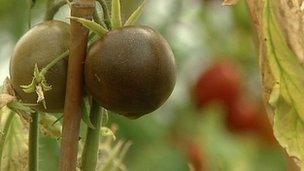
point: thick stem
(4, 133)
(33, 143)
(90, 150)
(74, 88)
(52, 8)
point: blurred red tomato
(221, 83)
(242, 115)
(249, 116)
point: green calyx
(135, 15)
(38, 85)
(93, 26)
(116, 14)
(115, 19)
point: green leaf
(15, 148)
(135, 15)
(86, 108)
(116, 14)
(93, 26)
(287, 96)
(29, 88)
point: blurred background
(214, 120)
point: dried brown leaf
(6, 99)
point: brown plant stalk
(74, 87)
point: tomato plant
(129, 70)
(76, 73)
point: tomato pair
(130, 71)
(222, 83)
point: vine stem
(33, 143)
(74, 86)
(4, 133)
(54, 62)
(90, 150)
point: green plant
(47, 64)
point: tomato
(249, 116)
(40, 45)
(131, 71)
(221, 83)
(242, 115)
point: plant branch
(74, 87)
(4, 133)
(33, 143)
(90, 150)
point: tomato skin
(131, 71)
(220, 83)
(243, 116)
(41, 45)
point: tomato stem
(54, 62)
(6, 127)
(33, 143)
(74, 87)
(90, 150)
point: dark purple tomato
(40, 45)
(131, 71)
